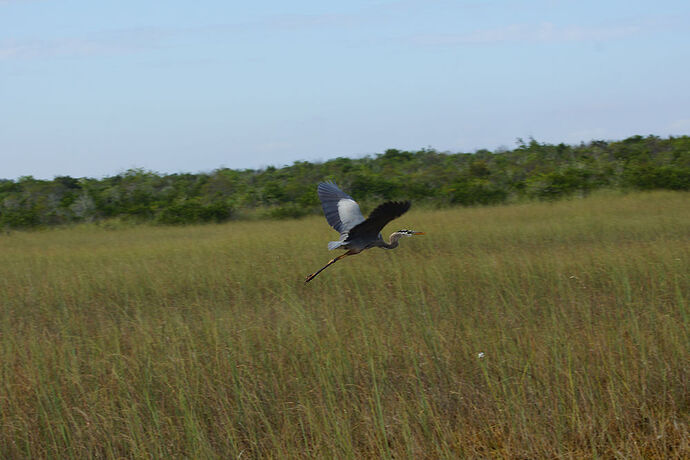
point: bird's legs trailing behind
(330, 262)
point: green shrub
(648, 177)
(470, 192)
(288, 211)
(193, 211)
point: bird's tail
(334, 245)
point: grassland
(535, 330)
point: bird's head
(395, 236)
(406, 232)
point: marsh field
(557, 330)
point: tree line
(532, 170)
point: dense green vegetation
(535, 330)
(530, 171)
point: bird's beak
(419, 233)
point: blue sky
(92, 88)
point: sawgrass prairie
(529, 330)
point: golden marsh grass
(534, 330)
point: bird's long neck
(395, 236)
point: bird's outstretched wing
(342, 212)
(378, 219)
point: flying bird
(356, 232)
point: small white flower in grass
(480, 355)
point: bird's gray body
(356, 232)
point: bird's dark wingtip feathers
(392, 209)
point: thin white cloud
(542, 33)
(121, 42)
(680, 126)
(127, 41)
(298, 21)
(5, 2)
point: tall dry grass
(536, 330)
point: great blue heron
(356, 232)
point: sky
(93, 88)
